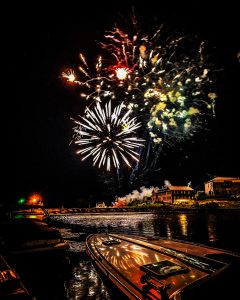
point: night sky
(43, 41)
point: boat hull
(11, 286)
(144, 268)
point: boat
(11, 286)
(27, 237)
(30, 212)
(141, 267)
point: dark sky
(42, 41)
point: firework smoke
(135, 196)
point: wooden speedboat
(149, 268)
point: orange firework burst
(69, 74)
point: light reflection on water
(83, 282)
(211, 227)
(126, 222)
(183, 222)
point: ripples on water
(81, 281)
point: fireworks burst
(69, 75)
(169, 83)
(107, 136)
(166, 82)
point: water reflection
(168, 231)
(135, 223)
(211, 226)
(183, 222)
(83, 282)
(214, 229)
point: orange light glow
(35, 199)
(69, 75)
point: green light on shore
(21, 201)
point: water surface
(80, 279)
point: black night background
(43, 41)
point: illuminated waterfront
(80, 280)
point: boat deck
(152, 269)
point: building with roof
(222, 186)
(101, 205)
(171, 193)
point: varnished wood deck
(121, 263)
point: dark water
(79, 280)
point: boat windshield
(111, 242)
(163, 268)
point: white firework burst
(108, 135)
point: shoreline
(144, 211)
(37, 213)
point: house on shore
(101, 205)
(171, 193)
(222, 186)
